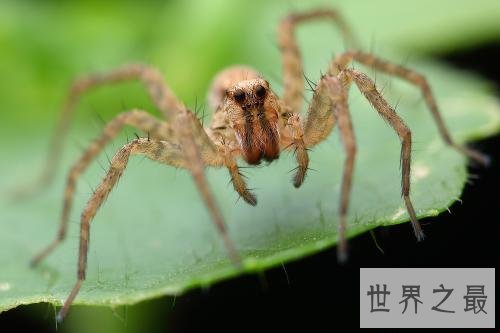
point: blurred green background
(44, 44)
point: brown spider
(249, 121)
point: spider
(249, 122)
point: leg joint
(405, 133)
(81, 274)
(351, 149)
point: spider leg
(154, 149)
(139, 119)
(300, 150)
(238, 180)
(320, 120)
(415, 78)
(318, 125)
(369, 90)
(329, 107)
(341, 112)
(159, 92)
(156, 129)
(293, 79)
(190, 130)
(150, 148)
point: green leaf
(153, 236)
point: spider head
(253, 110)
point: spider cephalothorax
(249, 121)
(253, 113)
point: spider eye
(260, 91)
(239, 96)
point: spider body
(253, 113)
(250, 117)
(249, 121)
